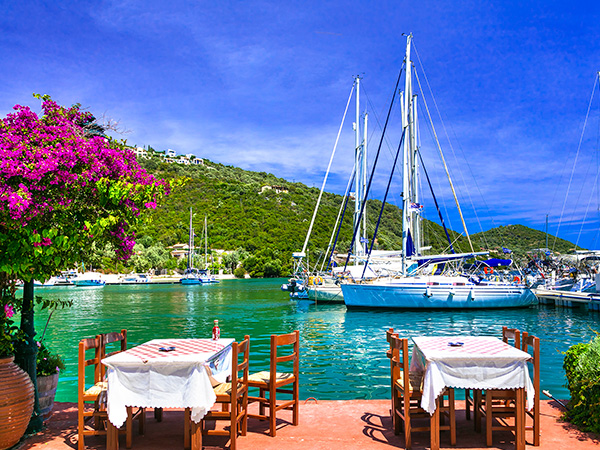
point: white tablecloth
(481, 362)
(144, 376)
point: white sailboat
(192, 275)
(432, 281)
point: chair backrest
(389, 334)
(531, 345)
(512, 333)
(290, 352)
(112, 343)
(85, 345)
(240, 349)
(400, 361)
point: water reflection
(343, 352)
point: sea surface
(342, 351)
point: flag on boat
(416, 207)
(506, 250)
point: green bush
(239, 272)
(48, 363)
(582, 369)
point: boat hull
(326, 294)
(423, 296)
(190, 281)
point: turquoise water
(342, 351)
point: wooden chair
(509, 336)
(90, 393)
(390, 354)
(273, 381)
(232, 396)
(113, 343)
(531, 344)
(407, 394)
(499, 403)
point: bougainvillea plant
(62, 188)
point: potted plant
(16, 388)
(48, 368)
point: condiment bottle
(216, 331)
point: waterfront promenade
(324, 425)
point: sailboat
(323, 285)
(192, 275)
(432, 281)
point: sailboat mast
(205, 244)
(416, 211)
(190, 242)
(364, 169)
(406, 98)
(359, 177)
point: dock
(568, 299)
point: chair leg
(296, 411)
(261, 405)
(233, 428)
(407, 425)
(272, 409)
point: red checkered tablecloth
(469, 345)
(183, 347)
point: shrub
(582, 369)
(48, 363)
(239, 272)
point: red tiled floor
(356, 424)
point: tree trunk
(26, 353)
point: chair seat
(415, 381)
(97, 389)
(265, 377)
(225, 389)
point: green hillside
(520, 239)
(268, 217)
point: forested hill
(521, 239)
(267, 215)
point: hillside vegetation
(268, 218)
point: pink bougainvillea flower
(9, 311)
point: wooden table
(473, 362)
(165, 373)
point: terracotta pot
(16, 402)
(46, 392)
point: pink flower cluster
(9, 311)
(49, 165)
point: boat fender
(427, 292)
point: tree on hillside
(62, 190)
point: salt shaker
(216, 331)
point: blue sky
(263, 86)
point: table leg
(520, 420)
(434, 427)
(196, 435)
(186, 428)
(112, 436)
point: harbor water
(342, 351)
